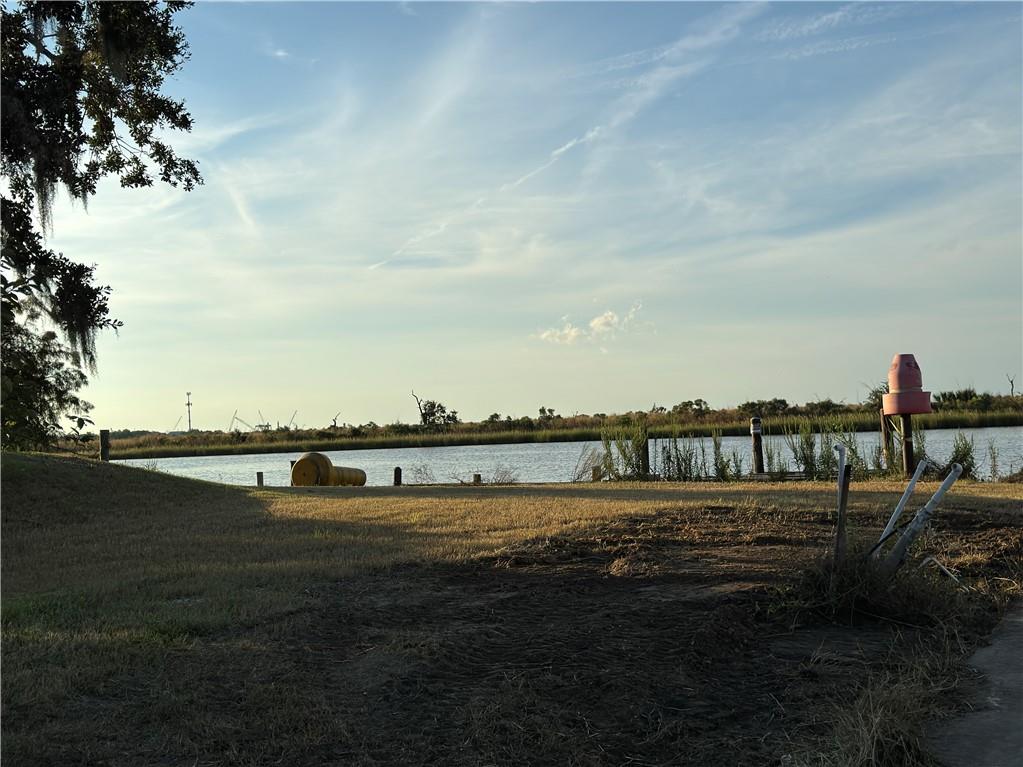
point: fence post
(756, 430)
(104, 444)
(843, 503)
(259, 479)
(397, 476)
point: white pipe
(898, 554)
(901, 505)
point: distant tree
(434, 414)
(547, 416)
(691, 408)
(764, 407)
(823, 407)
(79, 99)
(873, 399)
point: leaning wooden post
(104, 444)
(397, 476)
(756, 430)
(908, 461)
(843, 504)
(259, 479)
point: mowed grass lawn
(149, 619)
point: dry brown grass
(148, 618)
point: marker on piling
(906, 397)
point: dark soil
(661, 640)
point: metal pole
(644, 456)
(886, 442)
(188, 404)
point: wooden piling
(289, 475)
(259, 479)
(908, 460)
(756, 432)
(477, 479)
(397, 476)
(104, 444)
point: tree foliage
(434, 414)
(80, 94)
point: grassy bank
(152, 619)
(216, 443)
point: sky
(589, 207)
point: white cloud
(602, 328)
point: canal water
(542, 462)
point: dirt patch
(653, 640)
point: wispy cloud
(858, 14)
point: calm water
(547, 462)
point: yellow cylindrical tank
(312, 469)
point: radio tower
(188, 404)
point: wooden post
(758, 445)
(596, 474)
(477, 479)
(886, 441)
(259, 479)
(104, 444)
(292, 484)
(908, 461)
(644, 456)
(843, 503)
(397, 476)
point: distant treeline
(957, 409)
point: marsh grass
(216, 443)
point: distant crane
(292, 420)
(175, 426)
(333, 420)
(239, 420)
(263, 425)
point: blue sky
(590, 207)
